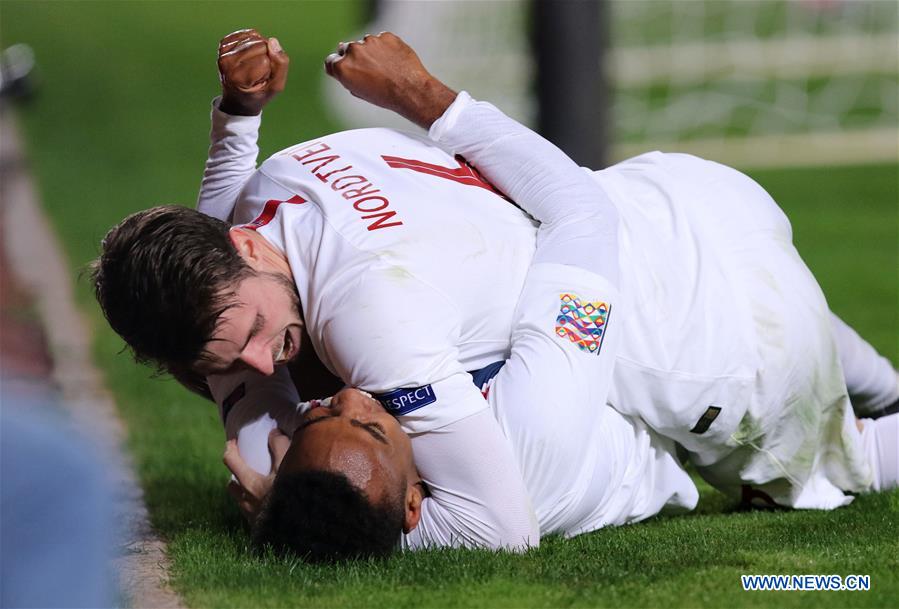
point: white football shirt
(584, 464)
(390, 238)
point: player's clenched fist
(385, 71)
(253, 69)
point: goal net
(747, 82)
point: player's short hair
(164, 277)
(319, 516)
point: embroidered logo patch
(583, 323)
(404, 401)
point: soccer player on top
(666, 287)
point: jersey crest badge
(582, 322)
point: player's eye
(378, 428)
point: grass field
(121, 124)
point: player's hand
(385, 71)
(251, 488)
(253, 69)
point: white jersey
(408, 264)
(687, 361)
(620, 466)
(408, 267)
(584, 464)
(391, 237)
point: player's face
(358, 438)
(262, 330)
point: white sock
(880, 440)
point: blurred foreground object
(56, 514)
(17, 74)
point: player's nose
(353, 403)
(259, 359)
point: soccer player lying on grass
(152, 318)
(573, 451)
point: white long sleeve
(478, 498)
(579, 223)
(231, 162)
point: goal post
(570, 38)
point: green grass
(121, 124)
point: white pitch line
(35, 256)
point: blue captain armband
(403, 401)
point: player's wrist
(237, 106)
(432, 100)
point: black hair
(164, 277)
(320, 516)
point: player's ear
(244, 241)
(412, 506)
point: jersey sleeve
(250, 406)
(579, 222)
(231, 162)
(477, 495)
(553, 388)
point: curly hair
(164, 277)
(320, 516)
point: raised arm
(551, 392)
(252, 70)
(578, 221)
(579, 224)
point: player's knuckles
(241, 32)
(248, 48)
(238, 36)
(345, 69)
(334, 65)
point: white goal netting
(748, 82)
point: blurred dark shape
(56, 510)
(569, 39)
(18, 80)
(370, 11)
